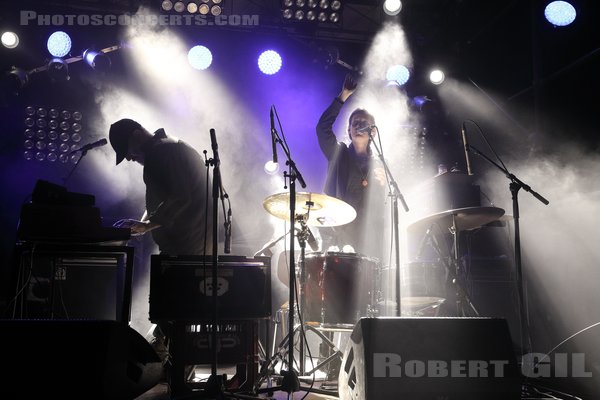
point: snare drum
(340, 287)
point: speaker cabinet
(71, 359)
(429, 359)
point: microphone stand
(290, 382)
(215, 384)
(395, 194)
(66, 178)
(515, 185)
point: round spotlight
(336, 5)
(200, 57)
(58, 69)
(334, 17)
(167, 5)
(216, 10)
(300, 3)
(392, 7)
(299, 15)
(204, 9)
(192, 7)
(97, 60)
(437, 76)
(10, 40)
(560, 13)
(324, 4)
(310, 15)
(398, 74)
(288, 3)
(322, 16)
(59, 44)
(271, 168)
(269, 62)
(179, 6)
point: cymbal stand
(515, 185)
(461, 294)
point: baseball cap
(119, 136)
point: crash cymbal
(325, 210)
(466, 218)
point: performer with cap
(176, 189)
(177, 198)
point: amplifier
(181, 288)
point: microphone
(89, 146)
(272, 166)
(214, 145)
(366, 128)
(467, 152)
(227, 246)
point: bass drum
(340, 288)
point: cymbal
(325, 211)
(467, 218)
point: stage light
(398, 74)
(200, 57)
(51, 145)
(437, 77)
(58, 69)
(392, 7)
(271, 168)
(269, 62)
(10, 40)
(15, 80)
(167, 5)
(59, 44)
(560, 13)
(179, 6)
(96, 59)
(192, 7)
(312, 10)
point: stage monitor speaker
(70, 359)
(429, 359)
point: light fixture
(10, 40)
(48, 139)
(97, 60)
(325, 11)
(397, 74)
(437, 76)
(560, 13)
(269, 62)
(203, 7)
(59, 44)
(179, 6)
(271, 168)
(192, 7)
(167, 5)
(15, 80)
(200, 57)
(58, 69)
(392, 7)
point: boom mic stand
(215, 384)
(515, 185)
(395, 194)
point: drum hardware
(308, 209)
(453, 222)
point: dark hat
(119, 136)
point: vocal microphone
(273, 140)
(227, 246)
(272, 166)
(366, 128)
(90, 146)
(467, 152)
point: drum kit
(337, 289)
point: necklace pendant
(365, 183)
